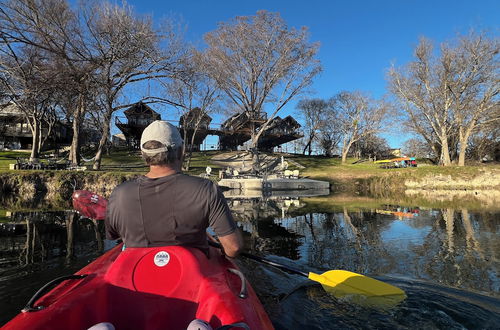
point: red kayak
(147, 288)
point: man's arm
(232, 243)
(222, 222)
(111, 232)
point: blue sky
(359, 39)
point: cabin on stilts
(138, 117)
(278, 132)
(232, 133)
(195, 122)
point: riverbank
(362, 178)
(56, 186)
(354, 177)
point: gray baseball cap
(163, 132)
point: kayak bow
(148, 288)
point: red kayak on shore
(148, 288)
(145, 288)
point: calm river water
(446, 260)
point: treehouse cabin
(237, 130)
(278, 132)
(234, 132)
(138, 117)
(194, 122)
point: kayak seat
(178, 284)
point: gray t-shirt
(171, 210)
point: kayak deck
(149, 288)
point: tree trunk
(74, 154)
(256, 161)
(463, 139)
(345, 151)
(344, 156)
(187, 158)
(41, 140)
(184, 148)
(308, 144)
(445, 152)
(253, 149)
(102, 141)
(305, 148)
(35, 131)
(461, 155)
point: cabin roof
(10, 109)
(195, 112)
(140, 108)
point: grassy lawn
(126, 161)
(9, 157)
(123, 161)
(331, 169)
(316, 167)
(200, 161)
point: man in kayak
(166, 207)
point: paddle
(341, 283)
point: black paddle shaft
(265, 261)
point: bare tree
(329, 140)
(330, 134)
(258, 61)
(53, 27)
(485, 144)
(475, 86)
(421, 87)
(357, 116)
(416, 147)
(371, 146)
(100, 49)
(27, 79)
(456, 91)
(195, 94)
(126, 50)
(313, 113)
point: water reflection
(257, 217)
(456, 248)
(406, 246)
(35, 237)
(36, 247)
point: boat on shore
(397, 162)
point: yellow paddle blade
(363, 289)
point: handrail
(30, 306)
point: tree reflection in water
(447, 246)
(417, 249)
(35, 238)
(455, 247)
